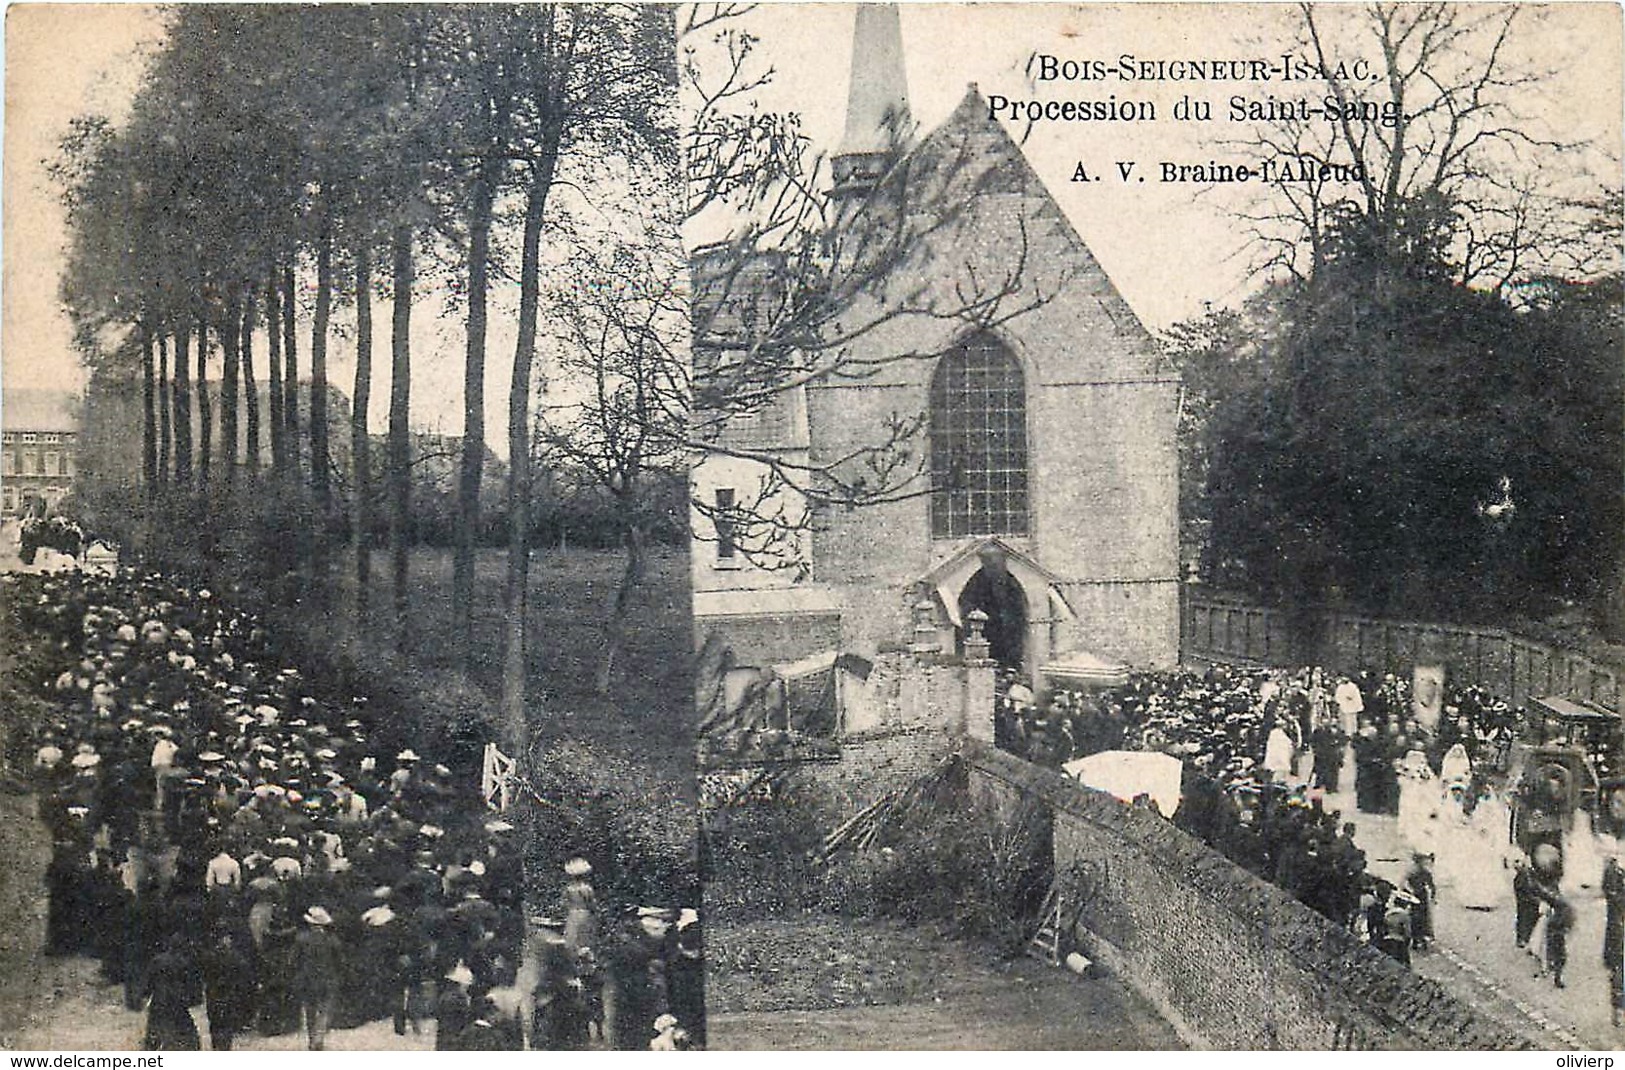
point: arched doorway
(996, 592)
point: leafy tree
(1380, 424)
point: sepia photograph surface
(812, 527)
(346, 625)
(1156, 556)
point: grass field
(622, 761)
(816, 982)
(649, 712)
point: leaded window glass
(978, 435)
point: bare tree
(621, 328)
(1434, 145)
(806, 269)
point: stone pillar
(927, 637)
(977, 676)
(978, 719)
(976, 646)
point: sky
(1172, 249)
(61, 61)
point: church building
(1046, 490)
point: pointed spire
(877, 117)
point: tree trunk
(230, 359)
(615, 630)
(165, 388)
(251, 390)
(290, 373)
(473, 457)
(515, 601)
(205, 407)
(360, 452)
(149, 416)
(183, 410)
(318, 367)
(400, 444)
(273, 335)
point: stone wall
(1230, 960)
(769, 640)
(873, 764)
(1512, 666)
(905, 690)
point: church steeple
(877, 118)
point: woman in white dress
(1418, 802)
(1278, 754)
(1478, 859)
(1583, 855)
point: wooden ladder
(1046, 942)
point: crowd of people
(1262, 749)
(59, 533)
(229, 833)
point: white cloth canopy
(1079, 668)
(1127, 774)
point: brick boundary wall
(1230, 960)
(874, 763)
(1216, 628)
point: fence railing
(1512, 666)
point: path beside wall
(1230, 960)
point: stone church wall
(1133, 622)
(1107, 493)
(1231, 961)
(770, 640)
(873, 764)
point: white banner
(1427, 695)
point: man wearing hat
(668, 1035)
(405, 772)
(1419, 882)
(224, 875)
(685, 977)
(318, 959)
(454, 1007)
(579, 905)
(1613, 935)
(381, 951)
(638, 975)
(175, 983)
(559, 1016)
(228, 988)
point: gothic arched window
(978, 434)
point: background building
(39, 441)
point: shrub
(939, 861)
